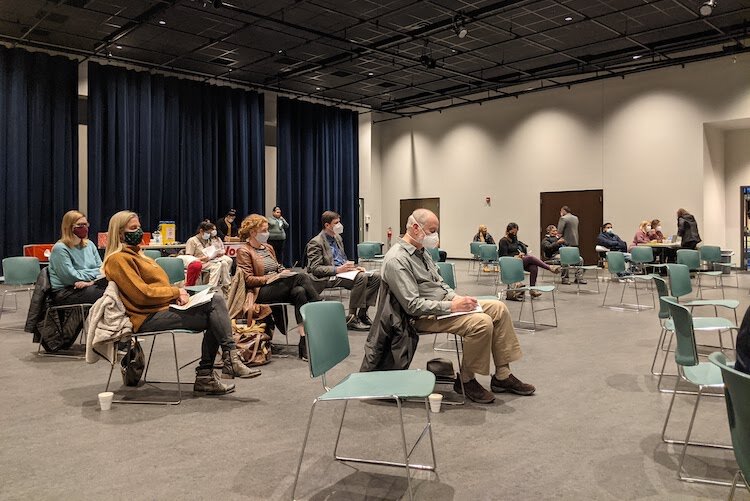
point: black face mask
(133, 237)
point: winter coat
(687, 228)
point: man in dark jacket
(687, 230)
(607, 238)
(551, 244)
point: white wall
(640, 139)
(737, 173)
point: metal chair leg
(304, 445)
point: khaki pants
(219, 271)
(483, 333)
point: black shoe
(511, 384)
(302, 347)
(565, 281)
(364, 318)
(581, 281)
(473, 391)
(355, 324)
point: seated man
(326, 259)
(415, 282)
(607, 238)
(551, 244)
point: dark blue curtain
(317, 170)
(172, 149)
(38, 147)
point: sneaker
(511, 384)
(535, 293)
(365, 319)
(581, 281)
(473, 391)
(555, 269)
(565, 281)
(355, 324)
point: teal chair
(474, 250)
(681, 285)
(369, 253)
(616, 266)
(511, 272)
(447, 271)
(703, 324)
(434, 254)
(711, 255)
(175, 270)
(690, 369)
(327, 346)
(691, 259)
(737, 395)
(570, 258)
(20, 273)
(643, 257)
(152, 253)
(487, 256)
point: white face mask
(262, 237)
(429, 241)
(648, 228)
(213, 233)
(206, 236)
(338, 228)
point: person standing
(277, 227)
(687, 230)
(567, 226)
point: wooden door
(409, 205)
(588, 205)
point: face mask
(648, 228)
(213, 233)
(133, 237)
(262, 237)
(338, 228)
(81, 231)
(610, 230)
(206, 236)
(658, 228)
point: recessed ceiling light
(162, 22)
(638, 56)
(280, 51)
(569, 18)
(454, 50)
(317, 88)
(371, 73)
(118, 46)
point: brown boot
(208, 383)
(233, 367)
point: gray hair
(419, 216)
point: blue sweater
(68, 265)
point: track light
(459, 26)
(707, 7)
(426, 59)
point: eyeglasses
(82, 225)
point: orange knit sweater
(144, 285)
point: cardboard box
(168, 232)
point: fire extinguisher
(389, 235)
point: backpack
(253, 344)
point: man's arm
(403, 285)
(315, 262)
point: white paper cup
(435, 400)
(105, 400)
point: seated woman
(268, 280)
(483, 235)
(509, 245)
(641, 236)
(74, 264)
(209, 249)
(655, 233)
(146, 293)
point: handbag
(253, 344)
(133, 364)
(514, 295)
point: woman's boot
(233, 366)
(302, 349)
(208, 383)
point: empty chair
(20, 274)
(487, 256)
(369, 253)
(691, 259)
(616, 266)
(711, 255)
(570, 258)
(474, 250)
(737, 395)
(680, 284)
(643, 257)
(327, 346)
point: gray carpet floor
(591, 431)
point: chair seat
(540, 288)
(724, 303)
(711, 273)
(704, 374)
(705, 324)
(176, 331)
(196, 288)
(383, 384)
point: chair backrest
(152, 253)
(679, 279)
(511, 270)
(327, 337)
(448, 273)
(474, 248)
(367, 250)
(616, 262)
(488, 253)
(642, 254)
(570, 256)
(663, 291)
(690, 258)
(685, 353)
(174, 268)
(20, 270)
(711, 253)
(434, 254)
(736, 390)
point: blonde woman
(146, 292)
(209, 249)
(641, 236)
(484, 236)
(268, 280)
(74, 264)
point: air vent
(285, 60)
(386, 85)
(223, 60)
(341, 73)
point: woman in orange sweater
(146, 292)
(266, 279)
